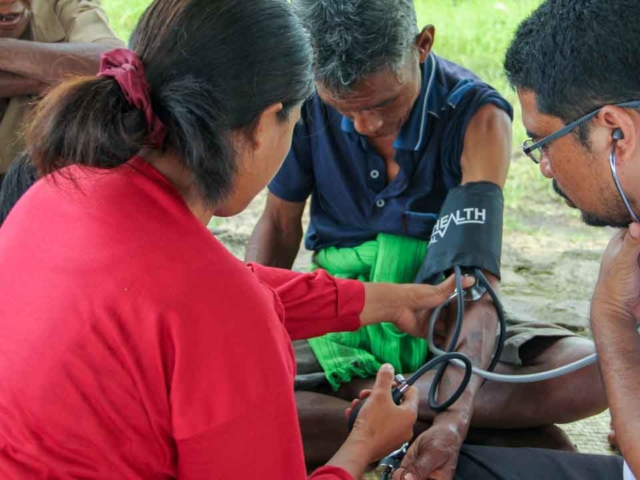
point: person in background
(42, 42)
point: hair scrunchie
(127, 69)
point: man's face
(580, 175)
(14, 18)
(379, 104)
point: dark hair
(212, 66)
(355, 38)
(21, 175)
(577, 55)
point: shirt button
(374, 174)
(380, 203)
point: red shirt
(133, 345)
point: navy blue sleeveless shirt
(351, 199)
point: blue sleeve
(464, 101)
(294, 181)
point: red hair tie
(128, 70)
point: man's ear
(424, 41)
(267, 120)
(621, 128)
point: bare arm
(487, 148)
(12, 85)
(618, 345)
(615, 316)
(275, 241)
(48, 63)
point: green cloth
(388, 259)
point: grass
(473, 33)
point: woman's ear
(266, 121)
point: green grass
(476, 34)
(473, 33)
(124, 14)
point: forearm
(12, 85)
(618, 346)
(478, 342)
(273, 245)
(48, 63)
(351, 457)
(314, 303)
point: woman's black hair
(21, 175)
(213, 66)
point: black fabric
(468, 232)
(491, 463)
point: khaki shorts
(310, 376)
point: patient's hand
(433, 455)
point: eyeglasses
(533, 150)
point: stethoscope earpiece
(617, 134)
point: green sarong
(388, 259)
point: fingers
(403, 474)
(438, 294)
(354, 403)
(631, 241)
(384, 381)
(364, 394)
(410, 400)
(421, 467)
(445, 289)
(634, 230)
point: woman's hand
(381, 425)
(408, 306)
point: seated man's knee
(587, 380)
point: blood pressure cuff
(468, 232)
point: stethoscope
(618, 135)
(442, 358)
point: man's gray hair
(355, 38)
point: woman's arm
(317, 303)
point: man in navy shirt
(392, 129)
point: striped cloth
(387, 259)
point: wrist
(383, 303)
(457, 423)
(458, 416)
(604, 310)
(354, 456)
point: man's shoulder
(460, 86)
(317, 116)
(454, 71)
(314, 106)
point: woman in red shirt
(132, 344)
